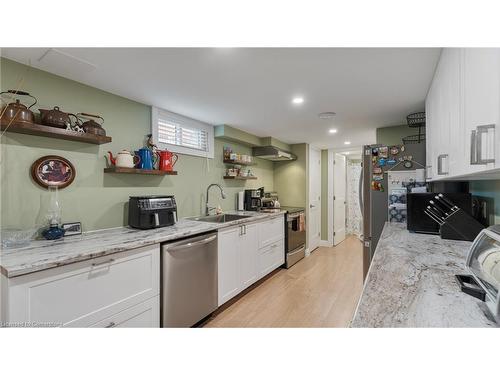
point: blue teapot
(148, 158)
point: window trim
(192, 123)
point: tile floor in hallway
(321, 290)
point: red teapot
(167, 160)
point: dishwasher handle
(189, 245)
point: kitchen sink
(225, 218)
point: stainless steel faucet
(222, 194)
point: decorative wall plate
(53, 170)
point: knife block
(460, 226)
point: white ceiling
(252, 88)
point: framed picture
(53, 170)
(72, 229)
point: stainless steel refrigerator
(374, 197)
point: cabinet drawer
(271, 231)
(271, 257)
(142, 315)
(84, 293)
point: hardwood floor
(321, 290)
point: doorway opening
(346, 206)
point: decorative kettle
(56, 118)
(167, 160)
(124, 159)
(16, 112)
(90, 126)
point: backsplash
(488, 189)
(97, 199)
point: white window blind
(182, 134)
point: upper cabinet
(463, 113)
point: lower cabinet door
(228, 263)
(82, 294)
(249, 256)
(271, 257)
(142, 315)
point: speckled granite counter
(411, 283)
(41, 254)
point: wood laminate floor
(322, 290)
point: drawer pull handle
(111, 325)
(111, 260)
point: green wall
(324, 195)
(488, 189)
(290, 178)
(393, 135)
(97, 199)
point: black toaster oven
(154, 211)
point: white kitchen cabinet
(228, 263)
(271, 257)
(463, 110)
(271, 230)
(481, 106)
(84, 293)
(249, 272)
(145, 315)
(242, 260)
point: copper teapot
(16, 112)
(56, 118)
(91, 126)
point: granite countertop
(411, 283)
(42, 254)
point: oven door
(295, 234)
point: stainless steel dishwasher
(189, 280)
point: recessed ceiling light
(332, 131)
(298, 100)
(347, 152)
(326, 115)
(347, 142)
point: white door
(314, 211)
(339, 198)
(249, 253)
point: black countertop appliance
(153, 211)
(253, 199)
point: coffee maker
(253, 199)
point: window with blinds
(182, 134)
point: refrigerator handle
(360, 190)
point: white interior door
(339, 198)
(314, 211)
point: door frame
(309, 249)
(329, 202)
(331, 159)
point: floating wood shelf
(50, 132)
(234, 162)
(155, 172)
(239, 178)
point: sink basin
(225, 218)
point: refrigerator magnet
(377, 170)
(394, 150)
(375, 151)
(378, 177)
(391, 162)
(383, 151)
(408, 164)
(382, 162)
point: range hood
(273, 153)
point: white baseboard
(325, 243)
